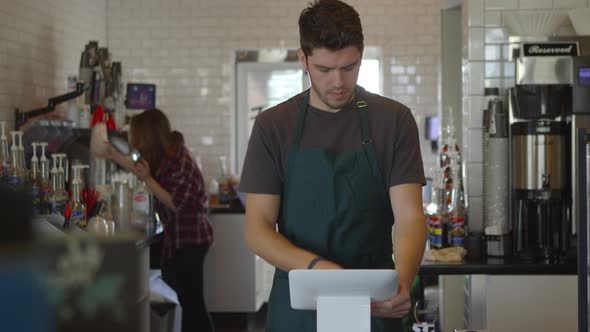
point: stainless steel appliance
(581, 100)
(543, 117)
(583, 248)
(496, 219)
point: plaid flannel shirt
(180, 176)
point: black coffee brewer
(540, 197)
(542, 150)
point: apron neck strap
(361, 106)
(301, 119)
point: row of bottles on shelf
(13, 168)
(46, 186)
(46, 181)
(447, 212)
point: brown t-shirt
(393, 130)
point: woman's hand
(395, 307)
(142, 169)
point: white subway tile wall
(492, 18)
(501, 4)
(40, 46)
(476, 13)
(570, 3)
(535, 4)
(475, 74)
(475, 114)
(476, 44)
(494, 71)
(186, 48)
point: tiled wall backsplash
(186, 48)
(486, 64)
(40, 46)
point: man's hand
(323, 264)
(396, 307)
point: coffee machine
(543, 118)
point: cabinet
(521, 303)
(235, 279)
(506, 294)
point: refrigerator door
(583, 235)
(259, 87)
(587, 239)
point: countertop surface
(479, 264)
(52, 225)
(499, 266)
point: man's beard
(326, 101)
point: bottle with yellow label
(78, 217)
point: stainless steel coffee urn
(496, 221)
(542, 148)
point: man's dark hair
(330, 24)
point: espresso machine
(543, 118)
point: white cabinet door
(498, 303)
(235, 280)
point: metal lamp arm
(21, 117)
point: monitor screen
(141, 96)
(432, 128)
(584, 76)
(305, 286)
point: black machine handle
(583, 140)
(21, 117)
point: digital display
(584, 76)
(141, 96)
(432, 128)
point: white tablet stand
(342, 298)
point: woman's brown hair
(151, 134)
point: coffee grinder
(542, 157)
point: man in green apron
(333, 167)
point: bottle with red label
(457, 213)
(142, 207)
(224, 195)
(436, 213)
(141, 199)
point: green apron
(337, 206)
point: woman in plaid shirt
(172, 175)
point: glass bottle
(57, 196)
(224, 192)
(4, 154)
(457, 214)
(436, 216)
(15, 177)
(78, 207)
(142, 202)
(35, 181)
(45, 184)
(449, 142)
(213, 192)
